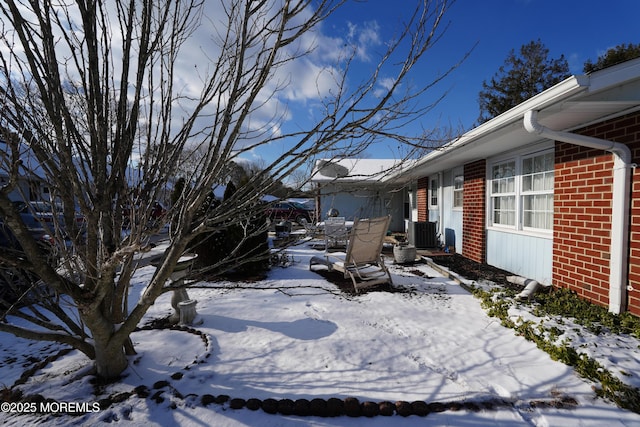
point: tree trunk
(111, 359)
(110, 356)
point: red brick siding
(633, 138)
(582, 214)
(421, 196)
(474, 211)
(582, 218)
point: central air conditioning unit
(423, 234)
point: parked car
(45, 222)
(38, 216)
(289, 211)
(42, 217)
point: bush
(249, 242)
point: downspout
(619, 258)
(441, 206)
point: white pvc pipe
(619, 261)
(530, 286)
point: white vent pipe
(530, 286)
(619, 259)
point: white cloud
(384, 85)
(364, 37)
(305, 80)
(309, 80)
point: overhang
(573, 103)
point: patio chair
(362, 262)
(335, 232)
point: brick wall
(421, 196)
(633, 296)
(474, 211)
(582, 218)
(582, 214)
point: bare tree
(94, 105)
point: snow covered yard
(294, 336)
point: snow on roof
(354, 169)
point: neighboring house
(30, 184)
(356, 188)
(25, 187)
(547, 190)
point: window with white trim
(433, 191)
(522, 192)
(503, 193)
(458, 186)
(537, 191)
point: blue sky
(580, 30)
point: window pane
(537, 211)
(538, 182)
(503, 178)
(537, 189)
(548, 183)
(549, 162)
(537, 173)
(504, 170)
(504, 212)
(511, 185)
(457, 199)
(458, 185)
(433, 198)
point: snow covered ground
(293, 336)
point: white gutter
(562, 91)
(441, 205)
(619, 258)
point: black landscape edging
(319, 407)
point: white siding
(453, 230)
(523, 255)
